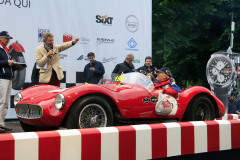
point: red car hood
(40, 97)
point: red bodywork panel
(17, 47)
(133, 101)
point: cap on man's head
(165, 70)
(234, 93)
(5, 34)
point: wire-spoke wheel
(90, 112)
(92, 115)
(199, 109)
(202, 112)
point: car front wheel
(90, 112)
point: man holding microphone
(47, 58)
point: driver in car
(168, 92)
(166, 83)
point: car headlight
(17, 98)
(59, 101)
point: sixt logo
(82, 58)
(132, 44)
(41, 32)
(105, 20)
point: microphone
(51, 48)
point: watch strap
(223, 94)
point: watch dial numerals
(220, 70)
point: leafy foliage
(186, 33)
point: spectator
(47, 58)
(233, 104)
(148, 69)
(93, 71)
(7, 67)
(124, 67)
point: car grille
(29, 111)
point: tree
(186, 33)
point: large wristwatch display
(220, 75)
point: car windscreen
(137, 78)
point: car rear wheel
(200, 109)
(90, 112)
(30, 128)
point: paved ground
(16, 127)
(14, 124)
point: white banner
(109, 28)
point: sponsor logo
(62, 56)
(105, 60)
(83, 40)
(105, 20)
(132, 44)
(132, 23)
(82, 57)
(146, 100)
(154, 99)
(41, 32)
(69, 37)
(104, 40)
(17, 3)
(136, 61)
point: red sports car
(131, 99)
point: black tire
(199, 109)
(19, 76)
(90, 112)
(30, 128)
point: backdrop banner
(110, 29)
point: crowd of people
(47, 70)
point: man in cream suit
(47, 58)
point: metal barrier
(140, 142)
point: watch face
(220, 70)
